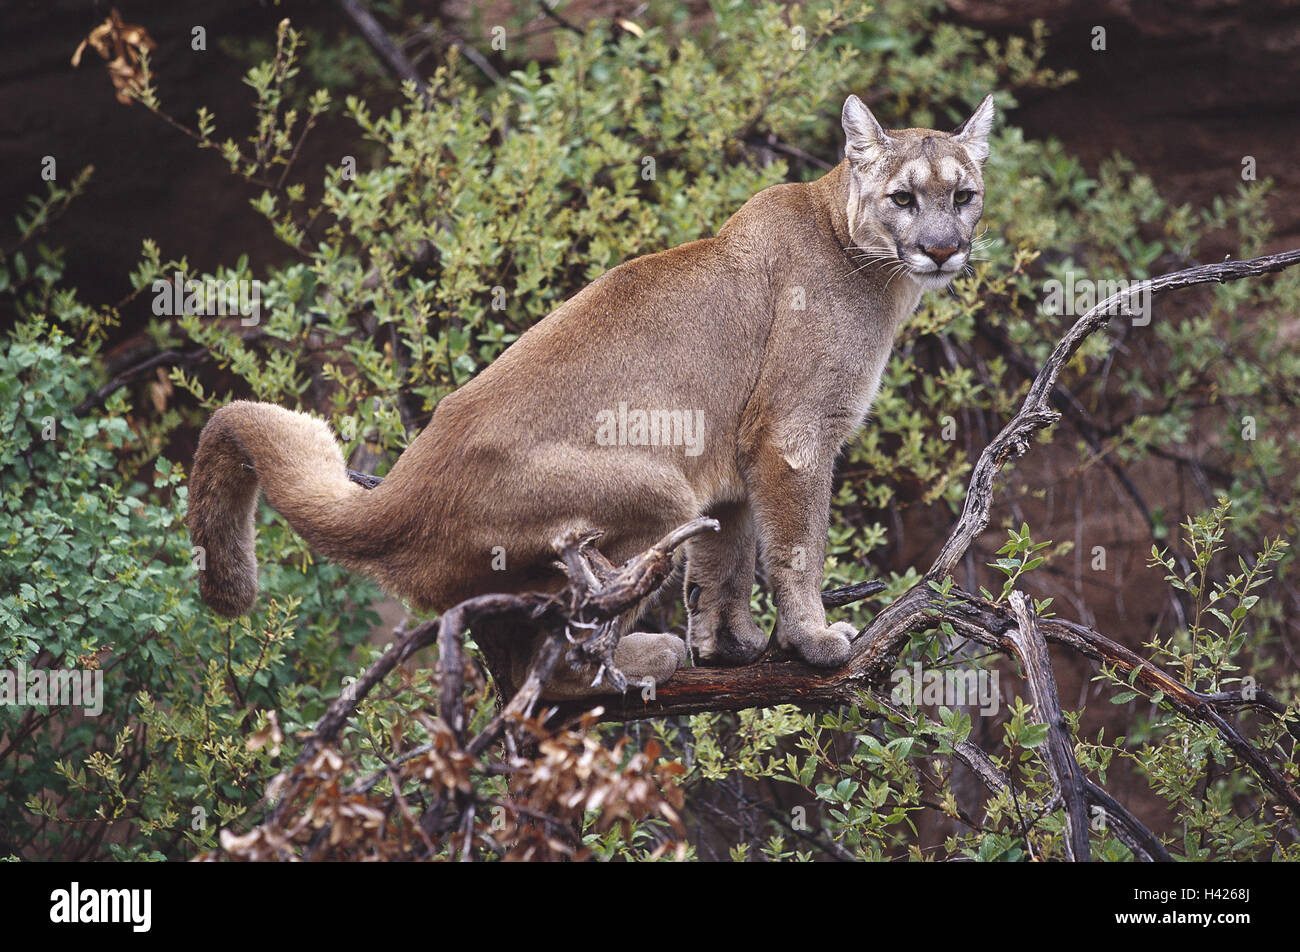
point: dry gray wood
(597, 592)
(1037, 666)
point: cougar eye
(902, 199)
(962, 197)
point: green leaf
(1033, 735)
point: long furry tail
(298, 463)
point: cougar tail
(297, 462)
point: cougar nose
(938, 255)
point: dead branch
(1130, 831)
(168, 358)
(1037, 666)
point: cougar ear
(973, 134)
(864, 137)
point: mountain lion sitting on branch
(720, 378)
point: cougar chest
(880, 320)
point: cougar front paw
(735, 642)
(824, 647)
(641, 655)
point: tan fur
(712, 328)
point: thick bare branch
(1037, 666)
(620, 589)
(790, 682)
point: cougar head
(915, 195)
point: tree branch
(1037, 666)
(380, 41)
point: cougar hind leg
(642, 657)
(645, 656)
(719, 580)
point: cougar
(721, 377)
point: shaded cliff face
(1185, 88)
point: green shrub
(96, 574)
